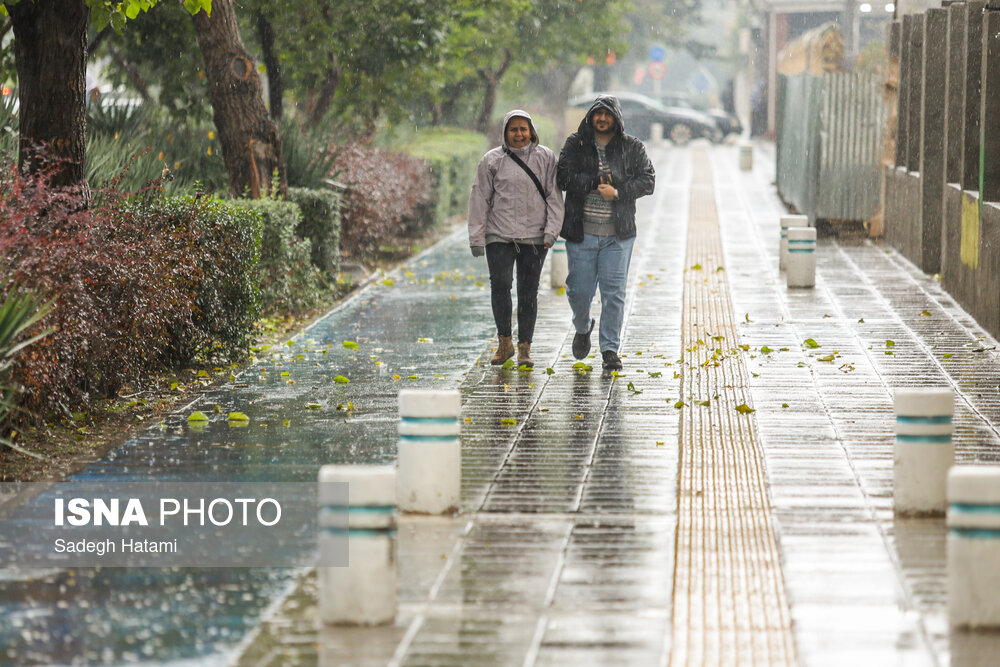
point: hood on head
(610, 103)
(517, 113)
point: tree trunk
(326, 92)
(50, 51)
(492, 82)
(251, 145)
(275, 80)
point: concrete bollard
(746, 156)
(364, 592)
(786, 222)
(559, 265)
(974, 546)
(656, 134)
(923, 452)
(800, 270)
(429, 465)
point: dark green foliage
(320, 224)
(452, 156)
(309, 156)
(19, 311)
(227, 301)
(288, 280)
(130, 144)
(8, 126)
(162, 50)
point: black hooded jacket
(631, 173)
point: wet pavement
(633, 520)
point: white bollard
(429, 465)
(364, 592)
(656, 134)
(800, 270)
(559, 266)
(923, 452)
(786, 222)
(974, 546)
(746, 155)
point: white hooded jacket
(505, 204)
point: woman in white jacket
(514, 219)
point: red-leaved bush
(125, 272)
(388, 196)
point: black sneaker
(611, 360)
(581, 343)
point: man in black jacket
(603, 171)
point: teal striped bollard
(363, 592)
(429, 464)
(974, 546)
(786, 222)
(801, 263)
(923, 452)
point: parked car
(640, 112)
(726, 122)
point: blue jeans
(599, 261)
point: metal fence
(829, 144)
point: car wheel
(680, 134)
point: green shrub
(8, 127)
(452, 156)
(131, 145)
(19, 311)
(309, 155)
(227, 294)
(111, 160)
(320, 224)
(288, 280)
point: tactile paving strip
(729, 604)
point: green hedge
(228, 298)
(288, 280)
(320, 224)
(452, 155)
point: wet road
(566, 550)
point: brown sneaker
(504, 351)
(524, 355)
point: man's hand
(606, 191)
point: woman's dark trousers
(502, 258)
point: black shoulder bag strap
(527, 170)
